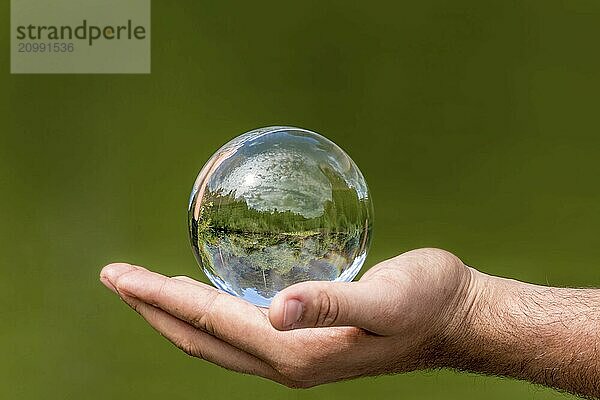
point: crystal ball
(278, 206)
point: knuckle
(328, 309)
(443, 258)
(158, 295)
(448, 265)
(203, 317)
(434, 262)
(189, 347)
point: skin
(421, 310)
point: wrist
(541, 334)
(491, 331)
(462, 338)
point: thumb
(322, 304)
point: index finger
(224, 316)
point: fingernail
(292, 312)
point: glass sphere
(278, 206)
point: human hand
(396, 318)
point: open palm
(394, 319)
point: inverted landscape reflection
(278, 206)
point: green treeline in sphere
(278, 206)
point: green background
(476, 124)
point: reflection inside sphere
(278, 206)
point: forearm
(545, 335)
